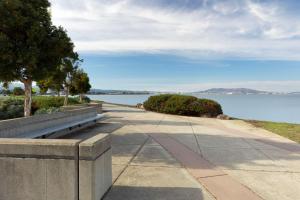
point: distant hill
(233, 91)
(116, 92)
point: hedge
(13, 107)
(183, 105)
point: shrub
(47, 111)
(183, 105)
(18, 91)
(46, 102)
(14, 107)
(156, 103)
(85, 99)
(11, 108)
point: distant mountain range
(245, 91)
(117, 92)
(228, 91)
(238, 91)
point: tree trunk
(28, 97)
(66, 96)
(80, 98)
(58, 93)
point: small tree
(81, 84)
(69, 68)
(18, 91)
(30, 46)
(43, 86)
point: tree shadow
(241, 152)
(216, 151)
(126, 111)
(100, 127)
(153, 122)
(154, 193)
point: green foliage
(157, 103)
(43, 86)
(11, 108)
(80, 83)
(46, 102)
(183, 105)
(18, 91)
(85, 99)
(31, 47)
(50, 110)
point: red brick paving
(217, 182)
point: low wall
(38, 169)
(19, 127)
(95, 167)
(98, 107)
(55, 169)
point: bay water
(278, 108)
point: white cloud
(228, 28)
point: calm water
(281, 108)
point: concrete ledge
(51, 169)
(92, 148)
(39, 148)
(38, 169)
(95, 167)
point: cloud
(224, 28)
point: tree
(43, 86)
(62, 76)
(81, 84)
(18, 91)
(69, 68)
(30, 46)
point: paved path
(165, 157)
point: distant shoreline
(123, 94)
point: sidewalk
(158, 156)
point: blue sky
(185, 45)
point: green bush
(85, 99)
(18, 91)
(156, 103)
(11, 108)
(47, 111)
(46, 102)
(183, 105)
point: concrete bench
(32, 168)
(50, 125)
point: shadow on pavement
(153, 193)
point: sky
(185, 45)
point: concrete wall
(20, 126)
(39, 169)
(95, 167)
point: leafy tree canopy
(30, 44)
(18, 91)
(81, 83)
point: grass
(290, 131)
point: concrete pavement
(158, 156)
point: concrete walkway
(165, 157)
